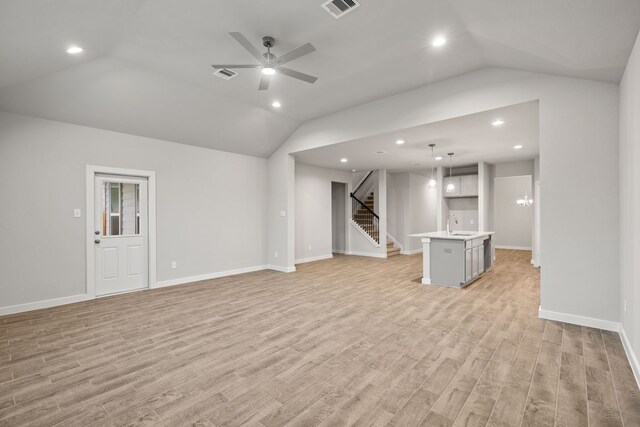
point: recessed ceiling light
(400, 141)
(276, 104)
(498, 122)
(439, 41)
(344, 160)
(268, 71)
(438, 158)
(74, 50)
(517, 147)
(353, 170)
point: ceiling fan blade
(247, 45)
(297, 75)
(295, 53)
(264, 82)
(218, 67)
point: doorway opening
(338, 217)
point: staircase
(365, 220)
(392, 250)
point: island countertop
(454, 235)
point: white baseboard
(313, 258)
(633, 359)
(281, 269)
(607, 325)
(369, 254)
(413, 252)
(337, 251)
(13, 309)
(513, 248)
(191, 279)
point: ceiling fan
(269, 63)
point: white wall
(210, 205)
(313, 210)
(513, 223)
(578, 121)
(411, 208)
(629, 202)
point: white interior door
(121, 236)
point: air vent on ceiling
(225, 73)
(339, 8)
(380, 152)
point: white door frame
(92, 170)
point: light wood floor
(348, 341)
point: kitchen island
(455, 259)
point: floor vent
(339, 8)
(225, 73)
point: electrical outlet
(309, 247)
(174, 264)
(77, 213)
(275, 254)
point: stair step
(393, 252)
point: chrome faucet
(455, 218)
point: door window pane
(120, 209)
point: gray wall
(578, 121)
(629, 201)
(525, 167)
(513, 223)
(313, 210)
(210, 205)
(485, 196)
(338, 217)
(465, 210)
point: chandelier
(524, 202)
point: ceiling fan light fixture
(268, 71)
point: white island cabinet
(455, 259)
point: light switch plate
(283, 213)
(77, 213)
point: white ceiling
(146, 66)
(471, 138)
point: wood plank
(345, 341)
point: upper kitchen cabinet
(469, 186)
(463, 186)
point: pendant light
(451, 187)
(432, 181)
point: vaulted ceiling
(146, 68)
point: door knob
(97, 232)
(97, 241)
